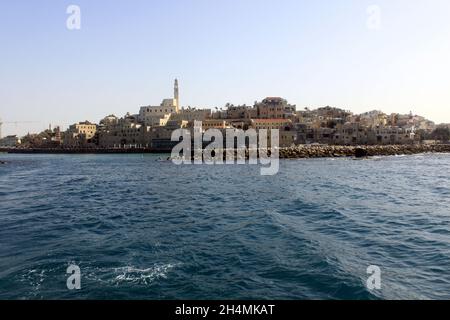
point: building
(241, 112)
(151, 115)
(358, 134)
(274, 108)
(191, 114)
(10, 141)
(219, 114)
(160, 138)
(120, 133)
(270, 123)
(288, 137)
(373, 118)
(80, 135)
(215, 124)
(394, 135)
(352, 133)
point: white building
(394, 135)
(151, 115)
(10, 141)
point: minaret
(176, 96)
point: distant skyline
(312, 53)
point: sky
(389, 55)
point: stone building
(270, 123)
(358, 134)
(241, 112)
(10, 141)
(117, 133)
(191, 114)
(215, 124)
(81, 134)
(151, 115)
(274, 108)
(393, 135)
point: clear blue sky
(313, 53)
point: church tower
(176, 96)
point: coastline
(294, 152)
(81, 150)
(333, 151)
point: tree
(423, 135)
(441, 134)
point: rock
(320, 151)
(361, 153)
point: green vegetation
(441, 134)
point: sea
(139, 227)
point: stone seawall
(300, 151)
(81, 150)
(323, 151)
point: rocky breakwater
(329, 151)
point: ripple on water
(199, 232)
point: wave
(145, 276)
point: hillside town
(152, 126)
